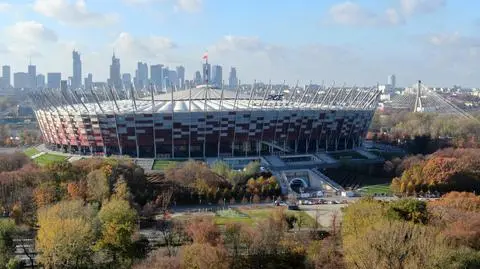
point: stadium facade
(205, 121)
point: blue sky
(354, 42)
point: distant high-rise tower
(115, 77)
(32, 76)
(217, 75)
(40, 81)
(141, 75)
(77, 70)
(391, 81)
(232, 78)
(54, 80)
(181, 76)
(88, 81)
(156, 75)
(172, 79)
(127, 80)
(198, 78)
(21, 80)
(6, 76)
(207, 73)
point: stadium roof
(211, 99)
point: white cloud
(4, 6)
(146, 48)
(190, 6)
(233, 43)
(350, 13)
(410, 7)
(31, 32)
(453, 40)
(73, 13)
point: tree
(98, 188)
(118, 222)
(205, 256)
(65, 235)
(203, 231)
(158, 261)
(7, 248)
(45, 194)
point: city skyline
(358, 42)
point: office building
(156, 75)
(172, 79)
(392, 81)
(6, 76)
(32, 77)
(232, 78)
(141, 75)
(127, 80)
(217, 75)
(198, 78)
(40, 81)
(21, 80)
(53, 80)
(206, 73)
(77, 70)
(181, 77)
(115, 79)
(88, 83)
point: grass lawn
(48, 158)
(160, 165)
(348, 155)
(380, 188)
(31, 152)
(255, 216)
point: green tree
(118, 223)
(7, 230)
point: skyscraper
(89, 81)
(206, 73)
(127, 80)
(6, 76)
(53, 80)
(217, 75)
(232, 78)
(156, 75)
(40, 81)
(21, 80)
(141, 75)
(198, 78)
(115, 79)
(77, 70)
(32, 76)
(172, 79)
(391, 80)
(181, 76)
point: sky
(322, 41)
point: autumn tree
(118, 222)
(98, 188)
(65, 235)
(205, 256)
(203, 231)
(45, 194)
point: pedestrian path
(37, 155)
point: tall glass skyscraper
(77, 70)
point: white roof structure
(206, 99)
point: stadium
(205, 121)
